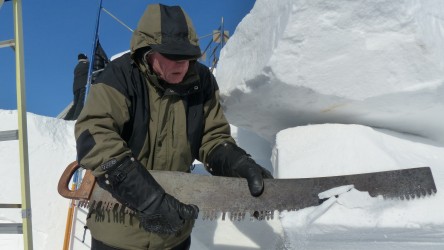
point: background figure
(79, 87)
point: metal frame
(21, 134)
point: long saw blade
(214, 195)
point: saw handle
(85, 189)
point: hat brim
(182, 51)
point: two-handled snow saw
(214, 195)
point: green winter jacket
(130, 112)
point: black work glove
(132, 185)
(227, 159)
(170, 216)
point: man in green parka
(155, 108)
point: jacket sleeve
(99, 126)
(216, 127)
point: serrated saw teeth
(263, 215)
(210, 193)
(129, 211)
(238, 215)
(432, 192)
(209, 215)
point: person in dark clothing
(155, 108)
(79, 87)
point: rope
(207, 35)
(117, 19)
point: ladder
(10, 228)
(20, 134)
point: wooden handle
(85, 189)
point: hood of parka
(167, 30)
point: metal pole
(72, 211)
(22, 125)
(93, 51)
(222, 33)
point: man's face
(168, 70)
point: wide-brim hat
(167, 30)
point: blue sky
(56, 31)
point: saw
(215, 195)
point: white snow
(312, 88)
(376, 63)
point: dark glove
(228, 159)
(170, 216)
(132, 185)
